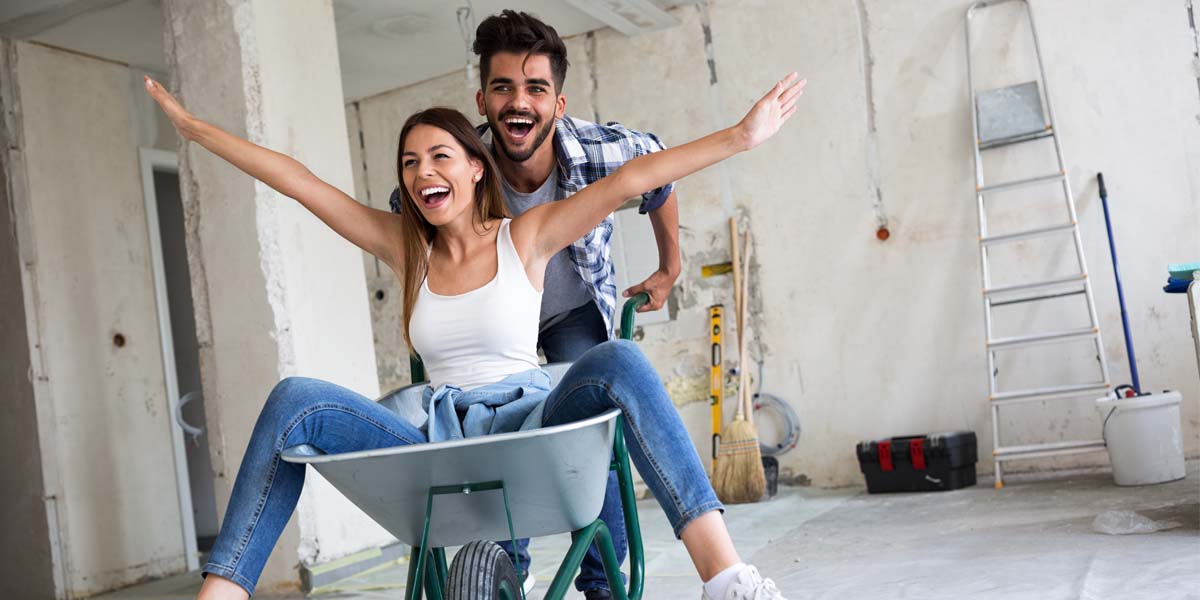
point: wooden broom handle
(735, 256)
(743, 338)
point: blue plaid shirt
(587, 152)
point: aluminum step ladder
(1005, 117)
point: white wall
(868, 338)
(90, 274)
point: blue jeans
(335, 420)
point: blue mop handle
(1133, 371)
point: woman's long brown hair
(418, 234)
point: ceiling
(382, 44)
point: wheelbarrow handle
(630, 311)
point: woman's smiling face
(439, 175)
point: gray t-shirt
(564, 289)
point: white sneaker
(749, 585)
(527, 585)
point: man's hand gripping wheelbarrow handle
(628, 313)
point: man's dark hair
(519, 32)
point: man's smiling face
(520, 102)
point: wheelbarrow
(474, 491)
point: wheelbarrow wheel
(482, 571)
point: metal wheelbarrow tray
(554, 479)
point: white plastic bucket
(1145, 442)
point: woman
(472, 295)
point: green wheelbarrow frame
(427, 567)
(428, 571)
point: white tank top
(484, 335)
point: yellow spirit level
(716, 383)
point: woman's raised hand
(179, 116)
(771, 111)
(372, 230)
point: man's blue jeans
(335, 420)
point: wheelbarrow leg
(581, 540)
(612, 569)
(434, 582)
(412, 589)
(434, 577)
(439, 559)
(422, 565)
(633, 527)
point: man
(544, 156)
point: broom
(739, 476)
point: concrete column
(276, 292)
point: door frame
(151, 160)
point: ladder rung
(1046, 296)
(1020, 183)
(1016, 139)
(1007, 450)
(1044, 450)
(1058, 392)
(1035, 286)
(1028, 234)
(1041, 338)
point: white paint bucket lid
(1151, 400)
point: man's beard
(518, 157)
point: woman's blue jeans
(335, 420)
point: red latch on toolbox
(916, 453)
(885, 455)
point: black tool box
(925, 463)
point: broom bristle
(739, 477)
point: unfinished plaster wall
(87, 255)
(870, 338)
(867, 338)
(26, 569)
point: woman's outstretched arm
(375, 231)
(553, 226)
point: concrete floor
(1032, 539)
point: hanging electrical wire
(466, 29)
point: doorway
(180, 350)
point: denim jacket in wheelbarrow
(512, 404)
